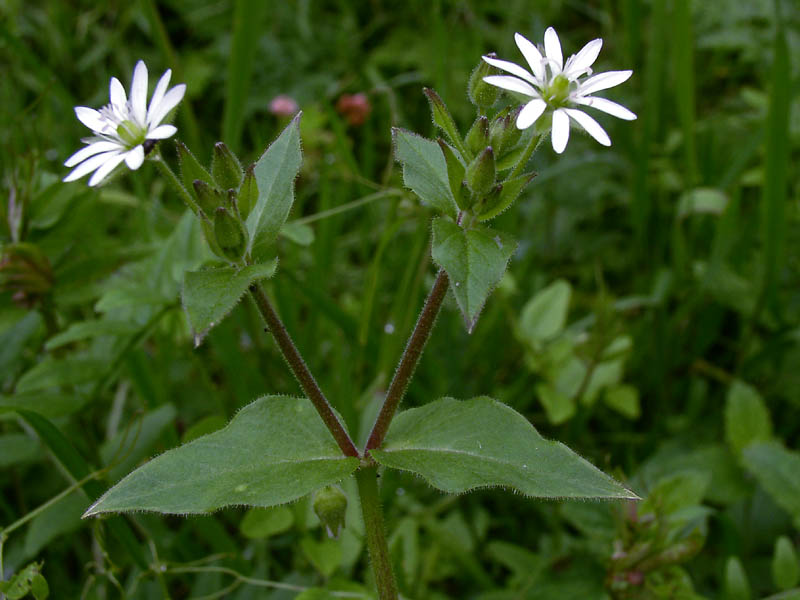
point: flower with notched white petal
(560, 87)
(125, 127)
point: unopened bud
(225, 168)
(208, 198)
(25, 270)
(191, 169)
(503, 132)
(785, 571)
(482, 94)
(481, 172)
(478, 135)
(248, 192)
(230, 234)
(330, 504)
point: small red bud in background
(355, 108)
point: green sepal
(248, 192)
(443, 120)
(481, 172)
(191, 169)
(509, 192)
(211, 238)
(478, 136)
(209, 199)
(455, 173)
(503, 131)
(230, 234)
(482, 94)
(225, 168)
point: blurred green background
(650, 318)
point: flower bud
(191, 169)
(230, 234)
(478, 135)
(482, 94)
(208, 198)
(736, 585)
(503, 132)
(225, 168)
(330, 504)
(785, 571)
(481, 172)
(248, 192)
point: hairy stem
(408, 362)
(301, 372)
(367, 479)
(529, 150)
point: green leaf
(53, 372)
(776, 469)
(559, 406)
(511, 190)
(57, 519)
(475, 261)
(456, 170)
(545, 315)
(89, 329)
(424, 170)
(275, 174)
(22, 582)
(785, 568)
(275, 450)
(265, 522)
(624, 399)
(325, 555)
(209, 295)
(47, 404)
(458, 446)
(17, 448)
(737, 587)
(746, 417)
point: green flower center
(557, 93)
(130, 133)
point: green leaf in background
(275, 173)
(27, 581)
(776, 469)
(746, 417)
(737, 586)
(90, 329)
(209, 295)
(458, 445)
(17, 448)
(424, 170)
(265, 522)
(785, 567)
(54, 372)
(275, 450)
(545, 315)
(48, 404)
(475, 261)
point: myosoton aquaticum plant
(278, 448)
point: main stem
(367, 479)
(301, 372)
(408, 362)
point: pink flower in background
(355, 108)
(283, 106)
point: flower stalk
(367, 479)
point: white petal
(103, 171)
(116, 92)
(603, 81)
(90, 150)
(158, 93)
(552, 47)
(89, 117)
(530, 113)
(513, 84)
(170, 101)
(139, 92)
(579, 63)
(512, 68)
(162, 132)
(607, 106)
(591, 126)
(560, 132)
(134, 158)
(90, 165)
(531, 54)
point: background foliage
(650, 319)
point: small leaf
(559, 406)
(261, 523)
(443, 120)
(90, 329)
(624, 399)
(475, 261)
(737, 587)
(544, 315)
(191, 169)
(275, 450)
(510, 191)
(785, 568)
(299, 233)
(424, 170)
(461, 445)
(325, 555)
(776, 469)
(275, 173)
(209, 295)
(53, 372)
(746, 417)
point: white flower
(123, 127)
(558, 86)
